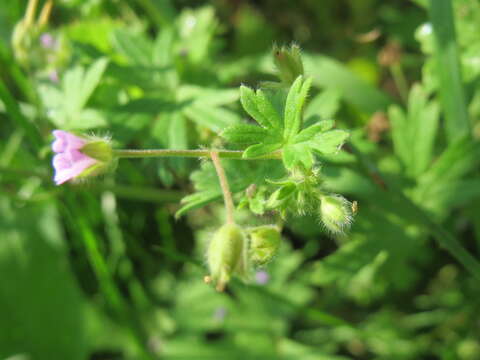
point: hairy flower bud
(264, 244)
(227, 254)
(335, 213)
(79, 157)
(288, 61)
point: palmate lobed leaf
(274, 133)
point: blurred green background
(104, 270)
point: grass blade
(13, 111)
(451, 90)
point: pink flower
(53, 76)
(48, 41)
(69, 162)
(262, 277)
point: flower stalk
(227, 195)
(199, 153)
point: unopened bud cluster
(234, 251)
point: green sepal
(282, 195)
(100, 150)
(264, 243)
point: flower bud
(335, 213)
(288, 62)
(264, 244)
(226, 254)
(79, 157)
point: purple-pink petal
(66, 141)
(262, 277)
(48, 41)
(70, 164)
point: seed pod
(335, 213)
(264, 244)
(226, 254)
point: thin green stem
(226, 154)
(227, 195)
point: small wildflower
(48, 41)
(262, 277)
(77, 157)
(220, 314)
(53, 76)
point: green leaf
(244, 134)
(72, 81)
(460, 158)
(308, 133)
(249, 103)
(177, 138)
(331, 74)
(91, 80)
(325, 104)
(296, 99)
(398, 121)
(260, 150)
(421, 122)
(197, 200)
(292, 117)
(207, 96)
(329, 142)
(135, 47)
(240, 174)
(41, 306)
(268, 110)
(452, 93)
(87, 119)
(294, 154)
(214, 118)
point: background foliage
(104, 270)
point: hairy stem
(227, 154)
(30, 12)
(45, 13)
(227, 195)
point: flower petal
(70, 164)
(65, 141)
(61, 162)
